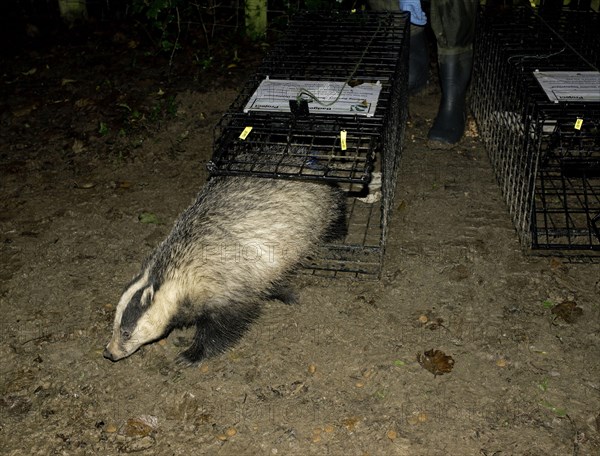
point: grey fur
(229, 251)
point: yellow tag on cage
(245, 133)
(343, 139)
(578, 123)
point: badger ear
(147, 295)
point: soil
(102, 146)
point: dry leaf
(350, 423)
(77, 146)
(436, 362)
(140, 426)
(124, 185)
(24, 111)
(83, 102)
(471, 130)
(430, 321)
(557, 266)
(568, 311)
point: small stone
(392, 435)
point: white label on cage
(323, 97)
(570, 85)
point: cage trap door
(282, 147)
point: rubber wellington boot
(418, 60)
(455, 72)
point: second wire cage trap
(536, 99)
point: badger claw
(195, 353)
(185, 359)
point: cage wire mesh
(548, 169)
(349, 49)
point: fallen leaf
(122, 184)
(83, 102)
(569, 311)
(66, 81)
(24, 111)
(140, 426)
(436, 362)
(435, 324)
(30, 72)
(471, 130)
(148, 217)
(430, 321)
(556, 410)
(77, 146)
(548, 304)
(557, 265)
(350, 423)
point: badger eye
(125, 334)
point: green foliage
(164, 19)
(163, 108)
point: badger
(232, 249)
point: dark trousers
(452, 21)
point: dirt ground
(97, 158)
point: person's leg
(453, 24)
(418, 65)
(418, 60)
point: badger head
(143, 315)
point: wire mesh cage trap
(543, 140)
(333, 109)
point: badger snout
(109, 355)
(113, 352)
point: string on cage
(535, 57)
(312, 96)
(567, 45)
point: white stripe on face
(126, 298)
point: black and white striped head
(143, 315)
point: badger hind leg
(218, 330)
